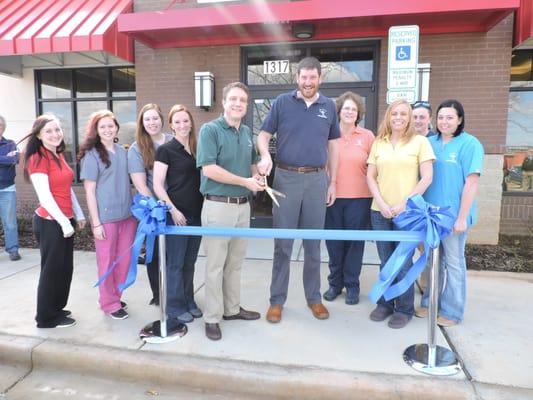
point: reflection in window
(126, 113)
(55, 84)
(91, 82)
(123, 82)
(519, 126)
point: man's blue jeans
(346, 256)
(405, 302)
(8, 214)
(452, 278)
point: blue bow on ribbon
(436, 223)
(152, 222)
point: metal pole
(430, 358)
(158, 331)
(163, 284)
(433, 306)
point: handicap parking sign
(403, 53)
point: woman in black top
(175, 166)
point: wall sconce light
(204, 90)
(303, 30)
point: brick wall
(166, 76)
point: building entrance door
(345, 67)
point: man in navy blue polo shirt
(306, 168)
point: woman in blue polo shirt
(456, 173)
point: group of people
(334, 173)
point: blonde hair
(385, 130)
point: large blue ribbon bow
(435, 222)
(152, 222)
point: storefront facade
(465, 48)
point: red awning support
(29, 27)
(261, 22)
(524, 23)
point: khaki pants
(224, 258)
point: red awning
(49, 26)
(261, 22)
(524, 23)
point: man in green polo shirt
(227, 156)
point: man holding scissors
(307, 142)
(227, 157)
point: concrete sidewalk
(347, 356)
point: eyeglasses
(424, 104)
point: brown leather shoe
(319, 311)
(274, 313)
(212, 331)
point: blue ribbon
(152, 222)
(434, 223)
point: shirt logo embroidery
(322, 113)
(358, 142)
(452, 158)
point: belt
(227, 199)
(301, 170)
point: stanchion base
(151, 333)
(446, 363)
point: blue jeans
(405, 302)
(452, 278)
(346, 256)
(8, 214)
(182, 252)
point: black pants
(152, 269)
(56, 271)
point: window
(73, 94)
(518, 159)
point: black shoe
(243, 314)
(66, 313)
(154, 301)
(331, 294)
(212, 331)
(66, 322)
(124, 305)
(398, 320)
(352, 297)
(380, 313)
(119, 314)
(14, 255)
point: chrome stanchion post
(163, 284)
(430, 358)
(160, 331)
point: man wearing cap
(307, 131)
(227, 157)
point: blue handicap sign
(403, 53)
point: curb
(241, 377)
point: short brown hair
(309, 63)
(358, 100)
(232, 85)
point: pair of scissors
(272, 192)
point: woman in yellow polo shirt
(400, 165)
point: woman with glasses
(141, 156)
(351, 209)
(455, 181)
(177, 183)
(399, 166)
(422, 118)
